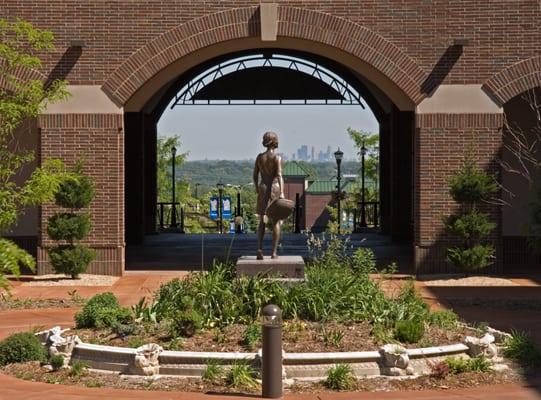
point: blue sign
(226, 207)
(214, 207)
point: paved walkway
(133, 286)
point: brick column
(441, 142)
(99, 140)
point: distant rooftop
(293, 168)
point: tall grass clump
(338, 288)
(521, 348)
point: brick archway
(514, 80)
(241, 23)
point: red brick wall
(442, 140)
(99, 141)
(316, 214)
(502, 32)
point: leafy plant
(521, 347)
(102, 311)
(71, 259)
(74, 192)
(332, 337)
(123, 330)
(78, 369)
(213, 371)
(67, 226)
(364, 260)
(135, 342)
(57, 362)
(22, 99)
(409, 331)
(252, 336)
(241, 375)
(93, 383)
(185, 323)
(176, 344)
(144, 312)
(458, 365)
(470, 186)
(340, 377)
(445, 319)
(21, 347)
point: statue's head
(270, 140)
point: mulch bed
(27, 304)
(298, 336)
(32, 371)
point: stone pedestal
(282, 267)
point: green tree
(20, 101)
(164, 171)
(470, 186)
(371, 143)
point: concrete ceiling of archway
(376, 99)
(160, 82)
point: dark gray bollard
(271, 321)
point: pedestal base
(281, 267)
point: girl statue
(268, 165)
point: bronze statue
(270, 189)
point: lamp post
(338, 155)
(220, 187)
(362, 224)
(173, 205)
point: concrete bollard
(271, 321)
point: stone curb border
(151, 359)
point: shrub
(364, 260)
(445, 319)
(78, 369)
(409, 331)
(185, 323)
(241, 375)
(340, 377)
(457, 365)
(470, 186)
(71, 260)
(75, 192)
(213, 371)
(252, 336)
(21, 347)
(479, 364)
(521, 348)
(57, 362)
(123, 330)
(472, 258)
(68, 226)
(102, 311)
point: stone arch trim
(240, 23)
(514, 80)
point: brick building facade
(438, 76)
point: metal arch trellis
(185, 96)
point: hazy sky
(234, 132)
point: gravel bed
(472, 281)
(62, 280)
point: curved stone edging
(296, 365)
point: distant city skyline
(234, 132)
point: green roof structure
(294, 169)
(329, 186)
